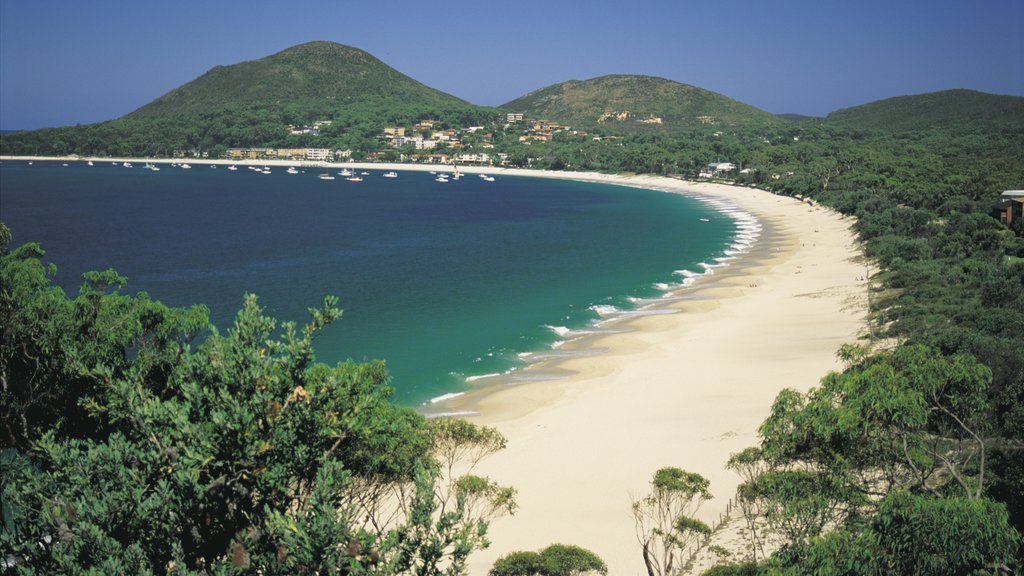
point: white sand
(685, 389)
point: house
(514, 117)
(717, 167)
(1010, 207)
(320, 154)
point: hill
(317, 76)
(948, 109)
(632, 103)
(252, 104)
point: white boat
(213, 165)
(127, 164)
(705, 220)
(265, 171)
(232, 167)
(325, 176)
(154, 168)
(364, 173)
(64, 164)
(354, 179)
(441, 178)
(487, 178)
(292, 170)
(345, 172)
(391, 174)
(186, 166)
(90, 163)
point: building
(320, 154)
(718, 167)
(514, 117)
(1010, 207)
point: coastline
(685, 387)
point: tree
(133, 447)
(555, 560)
(663, 519)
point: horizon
(79, 65)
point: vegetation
(631, 103)
(137, 438)
(555, 560)
(665, 526)
(137, 435)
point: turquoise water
(443, 280)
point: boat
(441, 178)
(292, 170)
(186, 166)
(487, 178)
(325, 176)
(354, 179)
(232, 167)
(391, 174)
(265, 171)
(64, 164)
(364, 173)
(90, 163)
(345, 172)
(127, 164)
(705, 220)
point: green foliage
(555, 560)
(624, 102)
(915, 534)
(959, 108)
(665, 527)
(132, 447)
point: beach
(684, 389)
(685, 383)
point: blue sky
(74, 62)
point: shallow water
(446, 281)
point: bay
(442, 280)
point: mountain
(319, 75)
(948, 109)
(630, 103)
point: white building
(322, 154)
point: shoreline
(686, 386)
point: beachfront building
(473, 158)
(1010, 207)
(319, 154)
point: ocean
(447, 282)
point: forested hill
(631, 103)
(949, 109)
(311, 79)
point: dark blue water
(444, 281)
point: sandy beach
(685, 387)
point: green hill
(314, 77)
(634, 103)
(253, 103)
(948, 109)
